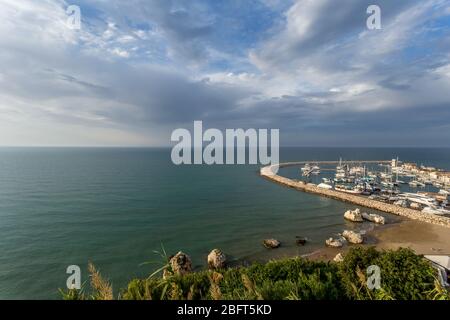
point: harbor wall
(268, 173)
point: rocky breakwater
(269, 172)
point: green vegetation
(404, 276)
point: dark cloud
(321, 25)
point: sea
(120, 207)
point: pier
(343, 162)
(269, 173)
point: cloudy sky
(139, 69)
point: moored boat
(436, 211)
(325, 186)
(347, 189)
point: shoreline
(423, 238)
(425, 234)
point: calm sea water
(114, 207)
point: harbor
(374, 184)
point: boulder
(353, 237)
(376, 218)
(334, 243)
(217, 259)
(301, 241)
(353, 215)
(271, 243)
(339, 258)
(181, 263)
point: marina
(376, 185)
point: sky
(137, 70)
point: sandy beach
(421, 237)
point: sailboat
(398, 182)
(340, 171)
(307, 167)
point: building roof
(442, 260)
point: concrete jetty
(269, 172)
(343, 162)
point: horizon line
(168, 146)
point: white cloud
(121, 53)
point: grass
(404, 276)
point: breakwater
(269, 172)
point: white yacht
(307, 167)
(416, 184)
(340, 174)
(346, 189)
(420, 184)
(419, 198)
(372, 175)
(387, 184)
(325, 186)
(385, 175)
(436, 211)
(357, 170)
(398, 170)
(341, 171)
(413, 183)
(315, 170)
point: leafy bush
(295, 278)
(404, 275)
